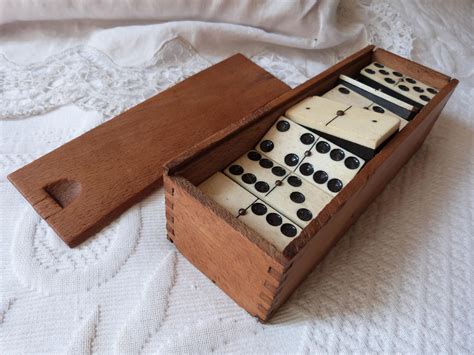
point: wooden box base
(243, 264)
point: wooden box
(243, 264)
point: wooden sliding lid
(83, 185)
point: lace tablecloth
(401, 280)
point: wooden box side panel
(206, 235)
(322, 242)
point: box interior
(224, 151)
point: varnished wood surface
(305, 251)
(83, 185)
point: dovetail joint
(262, 308)
(271, 289)
(274, 273)
(267, 299)
(169, 213)
(170, 229)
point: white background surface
(401, 280)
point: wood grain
(229, 258)
(83, 185)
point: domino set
(259, 204)
(310, 154)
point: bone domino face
(400, 83)
(286, 143)
(369, 129)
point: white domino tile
(315, 112)
(286, 142)
(227, 193)
(345, 95)
(404, 85)
(298, 199)
(270, 224)
(329, 166)
(256, 173)
(378, 93)
(416, 90)
(258, 215)
(382, 74)
(342, 120)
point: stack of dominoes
(311, 153)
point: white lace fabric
(401, 280)
(385, 27)
(88, 78)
